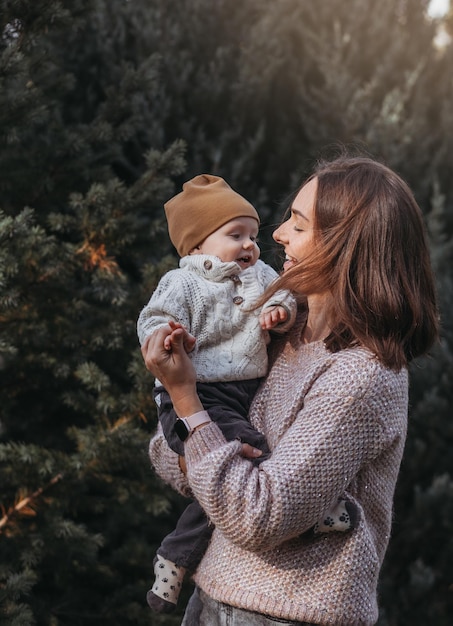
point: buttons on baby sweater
(238, 299)
(207, 264)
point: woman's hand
(249, 452)
(173, 368)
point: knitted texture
(212, 300)
(205, 204)
(336, 424)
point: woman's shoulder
(364, 359)
(357, 368)
(353, 372)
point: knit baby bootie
(164, 594)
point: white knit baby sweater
(211, 299)
(336, 423)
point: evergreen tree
(81, 197)
(258, 92)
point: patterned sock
(343, 517)
(164, 594)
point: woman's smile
(289, 263)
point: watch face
(181, 430)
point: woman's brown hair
(372, 256)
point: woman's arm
(178, 377)
(167, 464)
(336, 432)
(311, 467)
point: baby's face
(234, 241)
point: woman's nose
(278, 233)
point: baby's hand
(188, 339)
(271, 316)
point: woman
(333, 409)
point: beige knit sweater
(336, 424)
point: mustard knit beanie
(205, 204)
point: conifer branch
(23, 507)
(97, 257)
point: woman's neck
(317, 326)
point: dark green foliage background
(105, 109)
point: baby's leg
(180, 551)
(164, 594)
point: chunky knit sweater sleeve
(166, 463)
(168, 302)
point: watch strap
(186, 425)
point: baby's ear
(195, 250)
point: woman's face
(296, 233)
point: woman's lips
(288, 263)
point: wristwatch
(184, 426)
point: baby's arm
(272, 316)
(171, 300)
